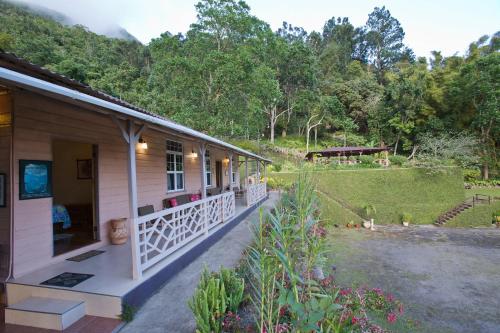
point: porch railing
(162, 233)
(256, 192)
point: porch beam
(246, 180)
(121, 127)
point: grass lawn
(479, 216)
(391, 191)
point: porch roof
(20, 72)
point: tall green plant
(209, 303)
(234, 287)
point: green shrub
(406, 217)
(366, 159)
(209, 303)
(471, 174)
(234, 286)
(397, 160)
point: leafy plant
(366, 159)
(369, 210)
(209, 303)
(397, 160)
(406, 217)
(128, 313)
(234, 287)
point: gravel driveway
(449, 279)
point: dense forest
(230, 75)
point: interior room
(73, 212)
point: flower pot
(406, 224)
(367, 224)
(497, 218)
(119, 232)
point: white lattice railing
(255, 193)
(162, 233)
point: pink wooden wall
(5, 135)
(40, 120)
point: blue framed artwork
(35, 179)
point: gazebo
(349, 151)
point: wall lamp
(142, 143)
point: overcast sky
(446, 25)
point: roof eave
(28, 81)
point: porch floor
(112, 269)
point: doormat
(68, 280)
(86, 255)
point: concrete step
(48, 313)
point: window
(208, 169)
(175, 166)
(235, 166)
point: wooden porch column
(202, 150)
(131, 136)
(230, 171)
(258, 170)
(246, 179)
(265, 172)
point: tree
(385, 41)
(480, 89)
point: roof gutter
(29, 81)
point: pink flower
(391, 318)
(354, 320)
(345, 292)
(390, 298)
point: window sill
(176, 191)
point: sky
(445, 25)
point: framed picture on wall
(84, 169)
(3, 190)
(35, 179)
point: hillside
(231, 76)
(392, 192)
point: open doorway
(74, 211)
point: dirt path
(449, 279)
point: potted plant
(350, 224)
(406, 218)
(369, 211)
(496, 218)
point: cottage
(73, 160)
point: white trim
(26, 80)
(175, 172)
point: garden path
(167, 311)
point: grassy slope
(392, 192)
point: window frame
(175, 172)
(208, 170)
(233, 169)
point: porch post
(258, 170)
(265, 172)
(202, 150)
(246, 178)
(132, 139)
(230, 171)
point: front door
(218, 174)
(74, 210)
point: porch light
(193, 154)
(226, 160)
(142, 143)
